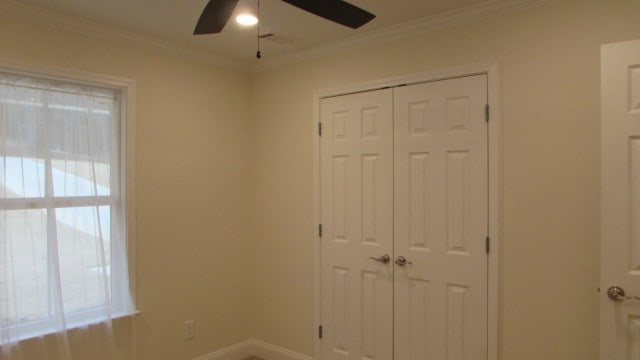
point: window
(63, 246)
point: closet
(404, 212)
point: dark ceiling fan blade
(338, 11)
(215, 16)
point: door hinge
(319, 129)
(488, 244)
(320, 332)
(320, 230)
(486, 112)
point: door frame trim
(491, 69)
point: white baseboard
(239, 351)
(267, 351)
(257, 348)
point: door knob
(616, 293)
(401, 261)
(383, 259)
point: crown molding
(66, 22)
(35, 14)
(468, 14)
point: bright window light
(61, 161)
(246, 19)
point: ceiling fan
(217, 13)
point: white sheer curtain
(63, 261)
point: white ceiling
(173, 21)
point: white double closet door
(404, 173)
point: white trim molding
(127, 93)
(26, 12)
(239, 351)
(268, 351)
(62, 21)
(254, 347)
(494, 167)
(459, 16)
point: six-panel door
(357, 216)
(440, 196)
(620, 250)
(404, 173)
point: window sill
(23, 332)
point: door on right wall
(620, 212)
(404, 197)
(440, 225)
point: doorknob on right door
(616, 293)
(402, 261)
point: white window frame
(125, 89)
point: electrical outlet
(189, 330)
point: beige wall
(549, 260)
(205, 135)
(192, 166)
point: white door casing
(459, 300)
(440, 195)
(356, 154)
(620, 196)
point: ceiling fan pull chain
(258, 54)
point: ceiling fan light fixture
(217, 12)
(246, 19)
